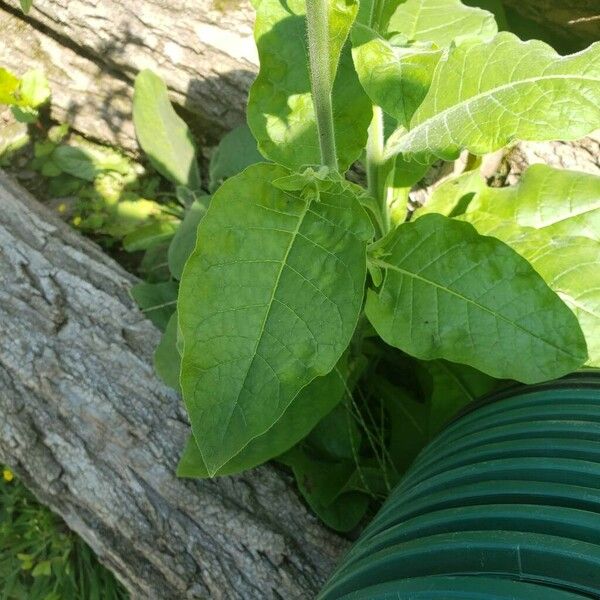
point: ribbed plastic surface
(503, 504)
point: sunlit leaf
(452, 293)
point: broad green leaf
(395, 78)
(485, 95)
(452, 293)
(149, 235)
(236, 151)
(304, 412)
(280, 109)
(269, 300)
(453, 387)
(157, 301)
(167, 360)
(452, 197)
(568, 264)
(441, 21)
(34, 89)
(26, 5)
(87, 162)
(184, 240)
(162, 134)
(558, 201)
(9, 87)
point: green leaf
(269, 300)
(408, 429)
(452, 293)
(184, 239)
(34, 89)
(26, 5)
(9, 87)
(280, 110)
(395, 78)
(324, 485)
(162, 134)
(485, 95)
(43, 568)
(453, 196)
(167, 359)
(403, 174)
(441, 21)
(560, 202)
(453, 387)
(236, 151)
(25, 114)
(304, 412)
(87, 162)
(157, 301)
(568, 264)
(149, 235)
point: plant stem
(375, 160)
(317, 24)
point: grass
(40, 558)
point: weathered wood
(92, 98)
(96, 436)
(203, 49)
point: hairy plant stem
(375, 161)
(376, 140)
(317, 25)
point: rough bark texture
(203, 49)
(93, 99)
(97, 437)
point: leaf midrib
(269, 305)
(490, 92)
(482, 307)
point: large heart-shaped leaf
(452, 293)
(568, 264)
(487, 94)
(559, 201)
(280, 109)
(162, 133)
(440, 21)
(268, 301)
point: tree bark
(204, 50)
(93, 99)
(96, 436)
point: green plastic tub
(502, 504)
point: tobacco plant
(330, 325)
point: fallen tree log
(89, 428)
(204, 50)
(93, 99)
